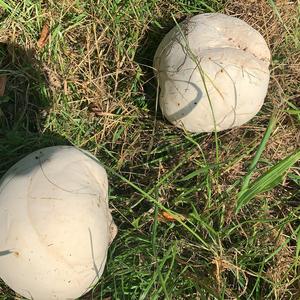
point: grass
(234, 230)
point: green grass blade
(5, 5)
(168, 256)
(298, 245)
(259, 152)
(268, 180)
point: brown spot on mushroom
(16, 253)
(178, 104)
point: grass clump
(92, 86)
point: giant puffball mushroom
(55, 224)
(213, 73)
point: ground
(80, 73)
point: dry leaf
(43, 36)
(3, 80)
(165, 216)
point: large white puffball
(213, 73)
(55, 225)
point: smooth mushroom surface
(213, 73)
(55, 224)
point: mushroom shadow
(24, 104)
(145, 56)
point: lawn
(199, 216)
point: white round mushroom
(213, 73)
(55, 224)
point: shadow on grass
(145, 55)
(24, 102)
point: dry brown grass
(261, 16)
